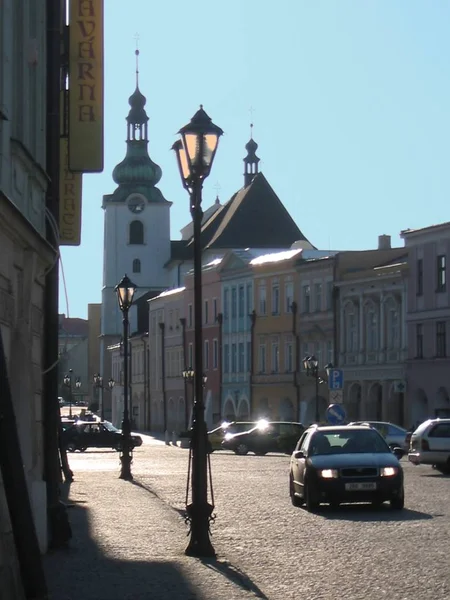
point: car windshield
(347, 441)
(109, 426)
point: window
(318, 297)
(329, 295)
(393, 328)
(226, 358)
(190, 356)
(241, 357)
(262, 358)
(289, 296)
(441, 345)
(206, 355)
(351, 332)
(215, 354)
(241, 300)
(249, 298)
(233, 358)
(170, 319)
(262, 300)
(206, 311)
(289, 356)
(441, 273)
(249, 356)
(226, 304)
(275, 357)
(330, 351)
(190, 315)
(419, 281)
(275, 299)
(136, 265)
(318, 353)
(233, 302)
(215, 309)
(371, 330)
(306, 297)
(419, 340)
(136, 232)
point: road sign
(336, 396)
(335, 414)
(336, 379)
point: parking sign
(336, 379)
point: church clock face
(136, 203)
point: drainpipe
(294, 308)
(185, 386)
(252, 316)
(162, 327)
(146, 412)
(219, 319)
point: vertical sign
(70, 188)
(86, 86)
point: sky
(350, 101)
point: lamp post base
(199, 543)
(125, 470)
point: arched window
(371, 318)
(136, 265)
(351, 328)
(136, 232)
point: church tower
(136, 224)
(251, 160)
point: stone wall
(10, 582)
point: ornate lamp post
(125, 290)
(98, 383)
(195, 155)
(68, 383)
(311, 365)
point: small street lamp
(67, 381)
(311, 365)
(195, 153)
(188, 374)
(111, 383)
(125, 290)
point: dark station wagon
(82, 435)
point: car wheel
(71, 447)
(296, 501)
(260, 453)
(444, 469)
(398, 502)
(242, 449)
(311, 501)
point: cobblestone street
(285, 552)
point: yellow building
(275, 393)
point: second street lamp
(311, 365)
(195, 154)
(125, 290)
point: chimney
(384, 242)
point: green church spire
(137, 172)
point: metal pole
(125, 471)
(316, 374)
(102, 408)
(199, 511)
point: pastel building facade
(428, 321)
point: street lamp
(125, 290)
(111, 383)
(311, 365)
(67, 381)
(195, 153)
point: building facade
(371, 331)
(428, 321)
(73, 340)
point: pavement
(128, 544)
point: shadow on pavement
(365, 512)
(83, 572)
(234, 575)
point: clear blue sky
(351, 113)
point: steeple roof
(251, 160)
(137, 172)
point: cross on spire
(217, 188)
(136, 52)
(251, 110)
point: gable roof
(229, 227)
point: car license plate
(361, 487)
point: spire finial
(136, 52)
(217, 188)
(251, 110)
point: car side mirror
(299, 454)
(399, 452)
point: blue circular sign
(336, 414)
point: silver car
(430, 445)
(394, 435)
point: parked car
(430, 445)
(82, 435)
(344, 464)
(266, 436)
(394, 435)
(217, 435)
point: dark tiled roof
(180, 250)
(72, 326)
(253, 218)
